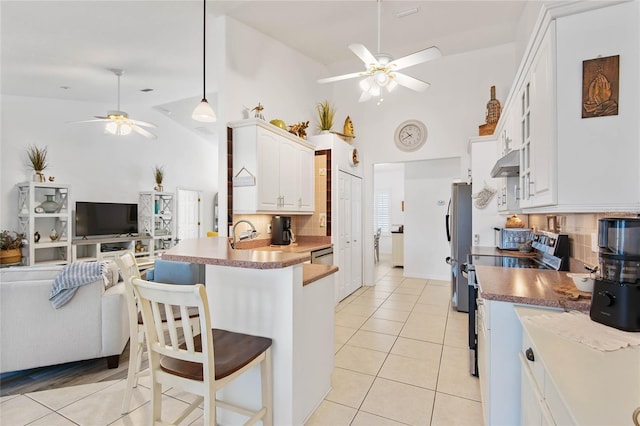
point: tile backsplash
(582, 229)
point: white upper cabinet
(569, 163)
(272, 169)
(537, 124)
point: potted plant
(158, 175)
(326, 112)
(38, 159)
(10, 244)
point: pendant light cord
(119, 74)
(204, 51)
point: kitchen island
(272, 293)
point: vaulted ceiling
(62, 49)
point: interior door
(188, 210)
(344, 235)
(356, 234)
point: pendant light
(203, 111)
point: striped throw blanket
(72, 276)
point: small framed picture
(552, 223)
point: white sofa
(94, 324)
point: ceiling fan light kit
(117, 122)
(382, 71)
(203, 111)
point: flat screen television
(100, 219)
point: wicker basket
(10, 256)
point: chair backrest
(129, 269)
(158, 300)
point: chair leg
(135, 360)
(267, 388)
(156, 401)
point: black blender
(616, 293)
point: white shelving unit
(156, 221)
(45, 251)
(99, 249)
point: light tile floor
(401, 358)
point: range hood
(509, 165)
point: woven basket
(10, 256)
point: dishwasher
(322, 256)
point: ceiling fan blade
(410, 82)
(147, 134)
(364, 97)
(97, 120)
(416, 58)
(143, 123)
(341, 77)
(364, 55)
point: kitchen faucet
(250, 235)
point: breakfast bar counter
(270, 292)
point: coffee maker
(281, 234)
(616, 293)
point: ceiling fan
(118, 122)
(381, 70)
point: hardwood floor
(63, 375)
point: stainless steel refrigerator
(458, 221)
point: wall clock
(411, 135)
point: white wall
(260, 69)
(484, 153)
(427, 192)
(452, 109)
(100, 167)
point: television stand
(107, 248)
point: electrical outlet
(476, 239)
(268, 228)
(323, 171)
(594, 242)
(323, 220)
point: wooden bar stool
(198, 363)
(129, 269)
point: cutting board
(571, 292)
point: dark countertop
(528, 287)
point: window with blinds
(382, 211)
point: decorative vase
(36, 237)
(38, 176)
(10, 256)
(48, 205)
(53, 235)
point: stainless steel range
(550, 251)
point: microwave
(511, 238)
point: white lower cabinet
(397, 249)
(499, 336)
(541, 404)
